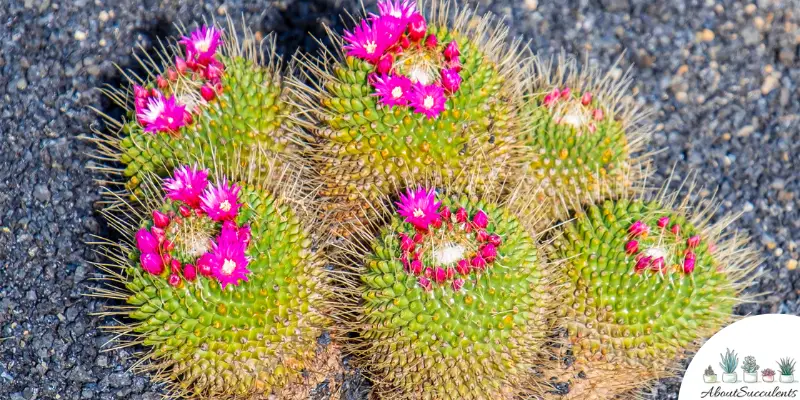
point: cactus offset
(223, 282)
(449, 300)
(586, 137)
(645, 281)
(220, 98)
(412, 99)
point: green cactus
(644, 282)
(457, 310)
(367, 149)
(229, 300)
(586, 138)
(238, 110)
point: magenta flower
(160, 219)
(451, 51)
(431, 41)
(385, 64)
(174, 280)
(146, 242)
(461, 214)
(488, 252)
(458, 284)
(417, 27)
(416, 266)
(481, 220)
(439, 275)
(478, 262)
(632, 247)
(369, 42)
(419, 207)
(427, 99)
(425, 283)
(689, 262)
(399, 9)
(201, 45)
(393, 90)
(495, 239)
(643, 263)
(451, 80)
(663, 222)
(638, 228)
(462, 267)
(152, 263)
(676, 229)
(189, 272)
(161, 114)
(187, 184)
(205, 263)
(693, 241)
(586, 99)
(220, 202)
(229, 262)
(406, 243)
(658, 264)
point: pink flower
(419, 207)
(160, 219)
(161, 114)
(385, 64)
(201, 45)
(495, 239)
(458, 284)
(417, 27)
(657, 264)
(175, 266)
(598, 114)
(462, 267)
(638, 228)
(642, 263)
(152, 263)
(189, 272)
(632, 247)
(693, 241)
(488, 252)
(399, 9)
(185, 211)
(451, 51)
(159, 234)
(427, 99)
(451, 80)
(455, 64)
(663, 222)
(461, 215)
(187, 185)
(481, 220)
(180, 65)
(204, 264)
(431, 41)
(676, 229)
(416, 266)
(208, 93)
(229, 263)
(439, 275)
(140, 96)
(689, 262)
(565, 93)
(478, 262)
(146, 242)
(586, 99)
(481, 236)
(393, 90)
(220, 202)
(425, 283)
(406, 243)
(174, 280)
(445, 214)
(369, 42)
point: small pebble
(707, 35)
(791, 265)
(80, 36)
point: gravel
(722, 78)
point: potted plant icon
(768, 375)
(709, 376)
(786, 366)
(750, 369)
(728, 364)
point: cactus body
(370, 147)
(239, 109)
(586, 136)
(228, 292)
(454, 311)
(644, 282)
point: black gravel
(721, 76)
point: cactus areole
(453, 300)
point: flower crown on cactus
(197, 232)
(396, 42)
(471, 245)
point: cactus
(220, 98)
(709, 371)
(786, 366)
(221, 281)
(586, 138)
(645, 280)
(729, 361)
(450, 298)
(412, 98)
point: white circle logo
(755, 358)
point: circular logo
(755, 358)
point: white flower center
(169, 119)
(225, 206)
(370, 47)
(418, 74)
(428, 102)
(449, 254)
(155, 106)
(397, 92)
(656, 252)
(228, 266)
(419, 213)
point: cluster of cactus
(482, 212)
